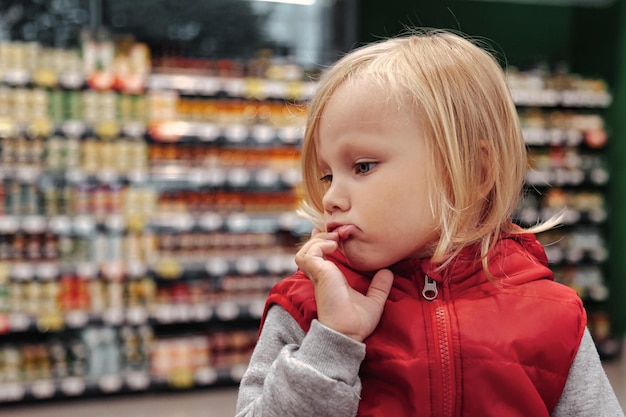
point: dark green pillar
(617, 187)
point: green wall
(478, 19)
(617, 186)
(592, 40)
(585, 37)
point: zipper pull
(430, 288)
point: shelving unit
(142, 224)
(563, 124)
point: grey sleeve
(296, 374)
(588, 392)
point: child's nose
(335, 199)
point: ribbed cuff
(333, 354)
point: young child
(416, 295)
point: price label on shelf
(215, 176)
(196, 177)
(43, 389)
(9, 224)
(308, 89)
(136, 315)
(12, 392)
(84, 225)
(184, 83)
(206, 376)
(75, 176)
(73, 386)
(275, 88)
(207, 132)
(234, 87)
(235, 133)
(107, 176)
(110, 383)
(114, 316)
(22, 271)
(27, 174)
(275, 264)
(136, 269)
(290, 134)
(181, 313)
(138, 176)
(238, 222)
(267, 177)
(256, 307)
(76, 319)
(73, 128)
(246, 265)
(19, 322)
(291, 176)
(16, 76)
(138, 381)
(210, 221)
(34, 224)
(60, 224)
(87, 270)
(289, 220)
(47, 271)
(217, 266)
(227, 310)
(164, 313)
(113, 271)
(181, 222)
(201, 312)
(599, 175)
(72, 79)
(208, 85)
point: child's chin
(361, 262)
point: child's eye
(326, 178)
(364, 167)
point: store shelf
(566, 134)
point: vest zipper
(445, 358)
(430, 291)
(442, 334)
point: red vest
(480, 348)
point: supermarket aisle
(217, 402)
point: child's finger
(380, 287)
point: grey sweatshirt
(317, 374)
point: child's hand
(339, 306)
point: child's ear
(486, 169)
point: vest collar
(468, 263)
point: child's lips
(345, 231)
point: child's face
(374, 162)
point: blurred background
(149, 178)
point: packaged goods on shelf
(562, 117)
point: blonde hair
(459, 93)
